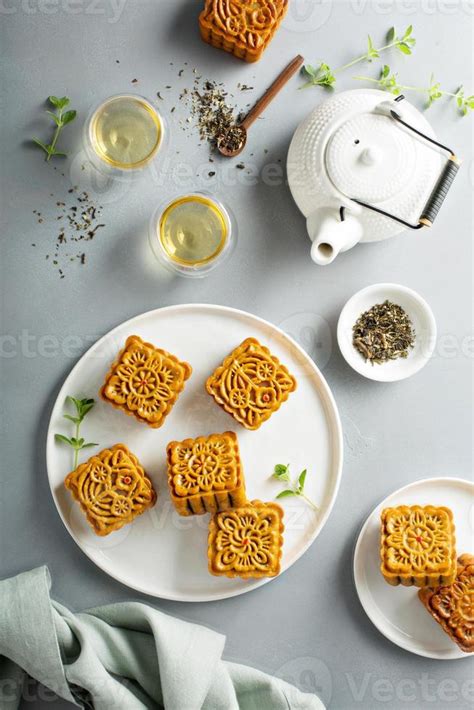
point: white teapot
(363, 167)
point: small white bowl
(420, 315)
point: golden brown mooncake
(246, 541)
(145, 382)
(452, 606)
(111, 488)
(242, 27)
(418, 546)
(205, 474)
(251, 384)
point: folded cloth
(126, 655)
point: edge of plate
(356, 578)
(330, 407)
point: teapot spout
(331, 235)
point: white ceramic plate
(396, 611)
(421, 316)
(161, 553)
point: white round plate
(421, 317)
(396, 611)
(162, 553)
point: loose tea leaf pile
(215, 117)
(383, 333)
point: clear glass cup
(192, 234)
(124, 135)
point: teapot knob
(370, 156)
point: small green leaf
(62, 102)
(64, 439)
(86, 408)
(280, 469)
(286, 493)
(68, 117)
(54, 101)
(41, 144)
(55, 118)
(87, 446)
(301, 480)
(76, 420)
(309, 70)
(408, 31)
(390, 35)
(404, 48)
(385, 71)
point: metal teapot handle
(438, 195)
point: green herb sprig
(323, 75)
(61, 118)
(388, 81)
(282, 473)
(82, 407)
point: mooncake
(111, 488)
(242, 27)
(145, 381)
(251, 384)
(246, 541)
(418, 546)
(452, 606)
(205, 474)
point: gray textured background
(306, 626)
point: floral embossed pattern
(112, 489)
(453, 606)
(242, 27)
(205, 474)
(246, 541)
(418, 546)
(251, 384)
(145, 381)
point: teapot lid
(348, 148)
(369, 158)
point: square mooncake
(111, 488)
(246, 541)
(205, 474)
(251, 384)
(145, 382)
(242, 27)
(452, 606)
(418, 546)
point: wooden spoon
(259, 107)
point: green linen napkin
(125, 655)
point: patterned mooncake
(145, 382)
(242, 27)
(111, 488)
(205, 474)
(453, 606)
(418, 546)
(251, 384)
(246, 541)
